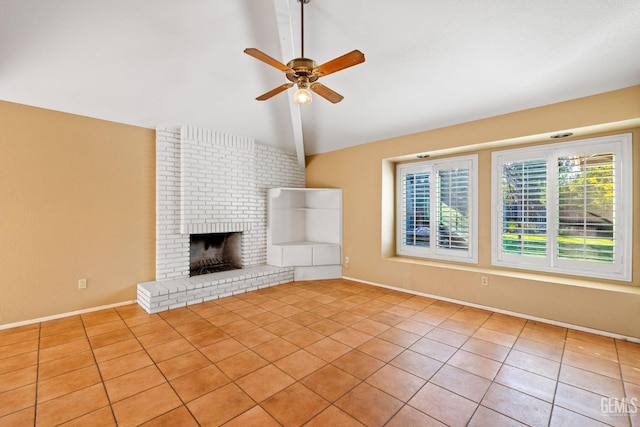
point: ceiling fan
(304, 72)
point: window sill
(547, 278)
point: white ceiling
(429, 63)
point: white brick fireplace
(211, 182)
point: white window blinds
(524, 207)
(586, 207)
(416, 223)
(453, 209)
(565, 208)
(436, 209)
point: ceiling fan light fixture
(302, 96)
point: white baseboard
(438, 297)
(63, 315)
(497, 310)
(318, 272)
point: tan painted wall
(368, 217)
(77, 200)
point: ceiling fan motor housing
(303, 67)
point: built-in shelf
(304, 230)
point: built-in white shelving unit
(304, 230)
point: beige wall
(77, 200)
(362, 171)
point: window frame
(621, 267)
(469, 162)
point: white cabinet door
(326, 255)
(297, 255)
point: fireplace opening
(214, 252)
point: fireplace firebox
(214, 252)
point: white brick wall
(218, 182)
(209, 182)
(172, 247)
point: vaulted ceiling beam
(285, 11)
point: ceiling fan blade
(267, 59)
(340, 63)
(274, 92)
(326, 93)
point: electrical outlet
(346, 260)
(82, 284)
(484, 281)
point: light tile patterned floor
(323, 353)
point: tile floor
(324, 353)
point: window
(436, 209)
(565, 208)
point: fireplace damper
(214, 252)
